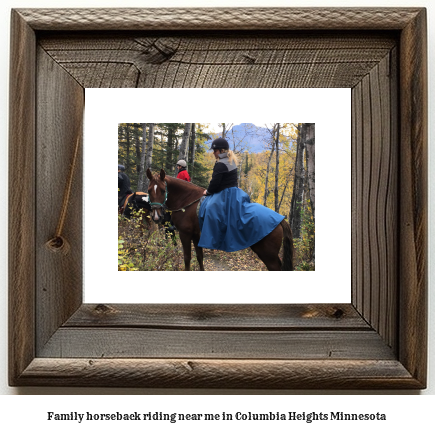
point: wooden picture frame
(376, 342)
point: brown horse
(181, 197)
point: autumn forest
(275, 168)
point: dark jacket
(124, 187)
(224, 175)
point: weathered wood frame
(377, 341)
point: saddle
(199, 205)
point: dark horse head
(136, 202)
(158, 195)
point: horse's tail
(287, 264)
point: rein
(183, 209)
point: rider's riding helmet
(220, 143)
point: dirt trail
(214, 262)
(243, 260)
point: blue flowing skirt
(230, 222)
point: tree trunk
(285, 187)
(182, 155)
(225, 129)
(240, 170)
(310, 159)
(298, 189)
(176, 143)
(149, 154)
(266, 181)
(140, 180)
(277, 170)
(137, 145)
(170, 147)
(120, 135)
(162, 141)
(245, 172)
(192, 154)
(127, 158)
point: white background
(408, 412)
(330, 283)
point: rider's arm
(219, 170)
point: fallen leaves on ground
(243, 260)
(153, 251)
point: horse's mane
(181, 183)
(180, 192)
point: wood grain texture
(22, 155)
(301, 345)
(229, 374)
(413, 187)
(234, 61)
(60, 105)
(378, 342)
(391, 159)
(375, 198)
(220, 18)
(220, 317)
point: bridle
(162, 205)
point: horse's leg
(268, 248)
(187, 253)
(199, 252)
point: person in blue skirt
(227, 218)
